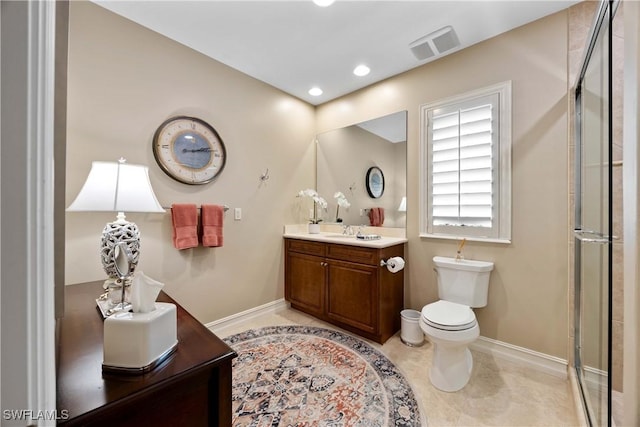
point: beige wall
(124, 81)
(528, 291)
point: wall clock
(375, 182)
(189, 150)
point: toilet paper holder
(388, 262)
(393, 264)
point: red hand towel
(376, 216)
(373, 216)
(184, 218)
(212, 219)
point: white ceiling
(294, 45)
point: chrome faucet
(347, 230)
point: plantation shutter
(463, 162)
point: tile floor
(500, 393)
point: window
(465, 166)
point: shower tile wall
(581, 18)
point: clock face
(189, 150)
(374, 182)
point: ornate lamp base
(120, 231)
(114, 233)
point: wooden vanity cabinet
(308, 272)
(345, 285)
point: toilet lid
(448, 316)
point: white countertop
(329, 237)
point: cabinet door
(305, 282)
(352, 295)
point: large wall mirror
(345, 158)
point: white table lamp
(117, 187)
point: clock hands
(197, 150)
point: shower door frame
(605, 15)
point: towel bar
(224, 207)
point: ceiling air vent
(435, 43)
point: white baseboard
(532, 359)
(596, 379)
(271, 307)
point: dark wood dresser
(191, 388)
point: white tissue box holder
(135, 343)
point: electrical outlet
(237, 214)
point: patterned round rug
(300, 375)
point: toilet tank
(463, 281)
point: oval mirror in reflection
(123, 260)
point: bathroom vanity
(340, 280)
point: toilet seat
(448, 316)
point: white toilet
(450, 323)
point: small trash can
(410, 333)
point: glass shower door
(593, 240)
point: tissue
(395, 264)
(144, 291)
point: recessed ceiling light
(361, 70)
(323, 3)
(315, 91)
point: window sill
(468, 238)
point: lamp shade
(116, 187)
(403, 205)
